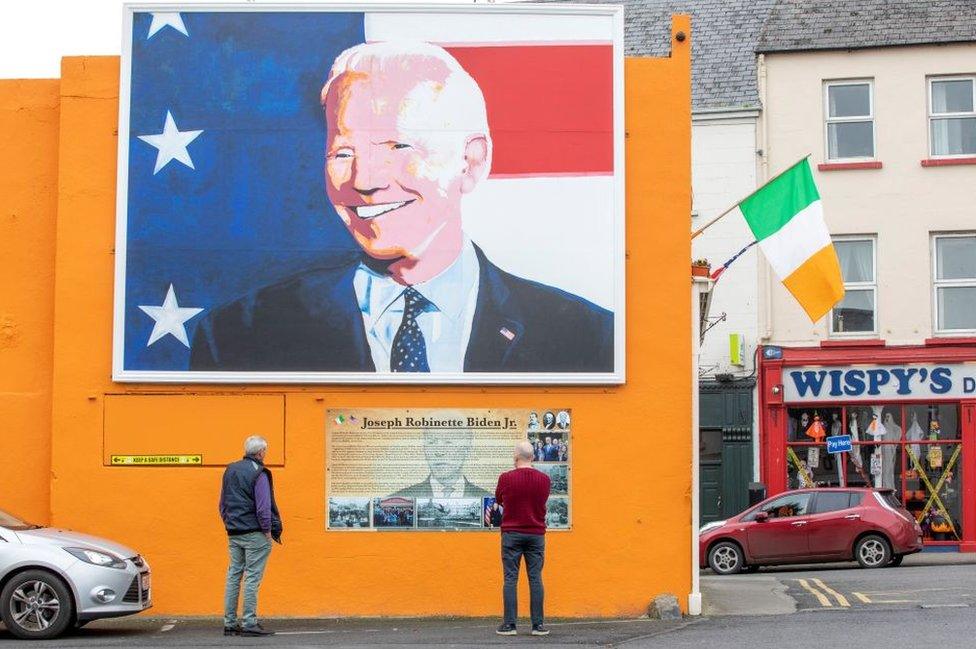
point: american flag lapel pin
(505, 331)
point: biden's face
(394, 183)
(446, 454)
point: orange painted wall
(632, 451)
(28, 213)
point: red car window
(784, 506)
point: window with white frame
(849, 112)
(955, 282)
(856, 314)
(952, 116)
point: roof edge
(849, 48)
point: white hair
(524, 451)
(254, 445)
(452, 107)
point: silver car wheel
(873, 552)
(726, 559)
(34, 606)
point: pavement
(928, 601)
(387, 632)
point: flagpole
(751, 194)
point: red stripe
(550, 107)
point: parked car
(811, 526)
(51, 579)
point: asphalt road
(925, 581)
(929, 601)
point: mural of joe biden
(407, 139)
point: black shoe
(506, 629)
(538, 629)
(256, 630)
(232, 630)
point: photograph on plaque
(557, 513)
(349, 512)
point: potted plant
(701, 268)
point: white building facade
(892, 133)
(883, 101)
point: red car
(811, 526)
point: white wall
(723, 172)
(902, 203)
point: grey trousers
(515, 545)
(248, 557)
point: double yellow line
(823, 592)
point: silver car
(51, 579)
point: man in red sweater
(523, 493)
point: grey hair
(524, 451)
(456, 105)
(254, 445)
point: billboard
(437, 468)
(333, 193)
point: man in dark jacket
(252, 521)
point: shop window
(855, 314)
(809, 464)
(915, 450)
(933, 489)
(932, 422)
(955, 283)
(849, 120)
(952, 117)
(813, 424)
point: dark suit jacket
(312, 322)
(423, 490)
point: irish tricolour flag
(786, 216)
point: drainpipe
(765, 277)
(764, 283)
(698, 286)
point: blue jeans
(516, 545)
(248, 557)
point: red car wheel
(872, 551)
(725, 558)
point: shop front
(908, 415)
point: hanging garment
(836, 428)
(889, 451)
(915, 433)
(876, 429)
(855, 437)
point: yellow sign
(156, 460)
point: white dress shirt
(446, 321)
(439, 490)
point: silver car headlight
(708, 527)
(96, 557)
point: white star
(164, 19)
(170, 318)
(171, 144)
